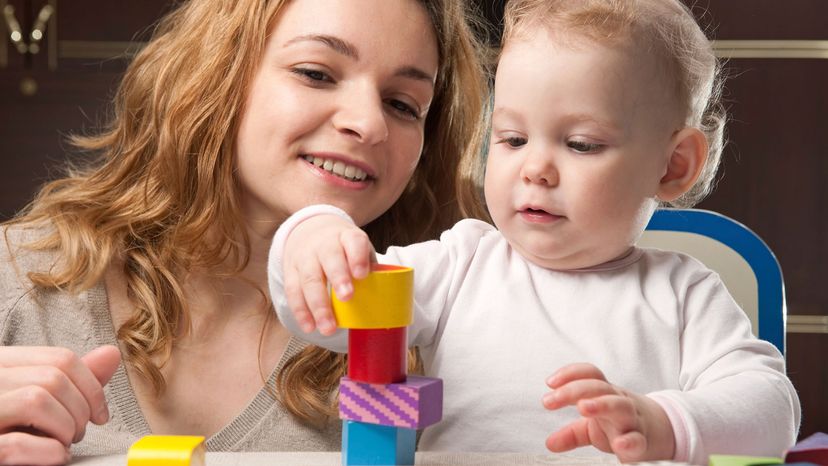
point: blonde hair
(668, 30)
(161, 195)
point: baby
(603, 110)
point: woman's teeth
(338, 168)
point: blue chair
(745, 263)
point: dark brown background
(774, 170)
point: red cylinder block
(377, 355)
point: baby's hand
(632, 426)
(323, 247)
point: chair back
(745, 263)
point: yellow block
(383, 299)
(167, 450)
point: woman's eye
(513, 141)
(584, 147)
(403, 109)
(312, 75)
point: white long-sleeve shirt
(494, 326)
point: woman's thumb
(103, 361)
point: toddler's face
(581, 137)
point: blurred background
(60, 61)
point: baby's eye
(584, 147)
(312, 75)
(513, 141)
(403, 109)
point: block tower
(381, 407)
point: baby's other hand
(632, 426)
(322, 249)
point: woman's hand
(632, 426)
(47, 395)
(322, 249)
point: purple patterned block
(413, 404)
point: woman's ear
(689, 152)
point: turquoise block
(376, 444)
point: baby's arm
(732, 397)
(632, 426)
(440, 267)
(318, 245)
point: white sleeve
(735, 397)
(276, 284)
(439, 269)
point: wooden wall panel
(73, 74)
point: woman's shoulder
(34, 315)
(18, 258)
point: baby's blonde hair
(669, 31)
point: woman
(236, 114)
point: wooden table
(422, 458)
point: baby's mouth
(337, 167)
(535, 214)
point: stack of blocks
(380, 406)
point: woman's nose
(538, 167)
(361, 115)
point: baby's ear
(689, 152)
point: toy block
(383, 299)
(414, 404)
(812, 449)
(375, 444)
(733, 460)
(377, 355)
(167, 450)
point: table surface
(334, 459)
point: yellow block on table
(167, 450)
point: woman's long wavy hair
(161, 197)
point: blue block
(376, 444)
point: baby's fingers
(630, 447)
(577, 434)
(569, 437)
(575, 371)
(573, 392)
(336, 262)
(617, 410)
(359, 252)
(295, 297)
(315, 291)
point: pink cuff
(680, 432)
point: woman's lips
(337, 172)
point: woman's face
(336, 111)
